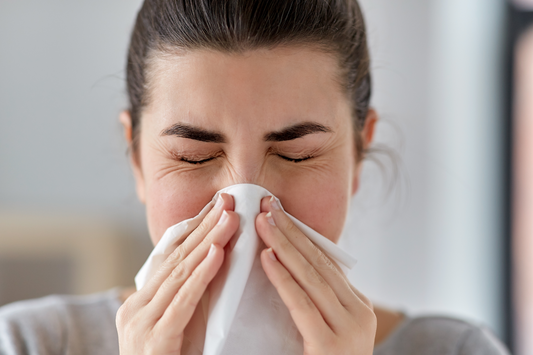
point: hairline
(162, 51)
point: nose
(245, 163)
(246, 167)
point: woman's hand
(152, 320)
(331, 315)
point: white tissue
(241, 312)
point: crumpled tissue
(241, 312)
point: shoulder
(441, 335)
(60, 324)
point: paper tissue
(241, 312)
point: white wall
(434, 245)
(61, 89)
(430, 245)
(387, 231)
(466, 149)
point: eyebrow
(191, 132)
(296, 131)
(287, 134)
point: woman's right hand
(152, 320)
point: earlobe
(125, 120)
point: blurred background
(443, 220)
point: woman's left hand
(331, 315)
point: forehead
(284, 84)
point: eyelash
(295, 160)
(196, 162)
(200, 162)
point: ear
(368, 129)
(367, 134)
(135, 161)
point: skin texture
(242, 98)
(245, 97)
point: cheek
(317, 196)
(172, 201)
(324, 209)
(318, 200)
(320, 197)
(314, 200)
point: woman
(274, 93)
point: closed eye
(197, 162)
(203, 161)
(298, 160)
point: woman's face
(277, 118)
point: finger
(182, 272)
(326, 267)
(178, 314)
(265, 204)
(225, 202)
(304, 313)
(362, 297)
(302, 271)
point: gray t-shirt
(73, 325)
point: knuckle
(286, 278)
(313, 277)
(206, 241)
(324, 263)
(177, 255)
(123, 314)
(306, 304)
(373, 321)
(127, 311)
(367, 302)
(368, 316)
(365, 321)
(139, 299)
(179, 274)
(203, 228)
(284, 244)
(184, 298)
(290, 227)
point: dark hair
(335, 26)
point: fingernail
(223, 217)
(271, 254)
(211, 250)
(270, 219)
(220, 202)
(274, 203)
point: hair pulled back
(234, 26)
